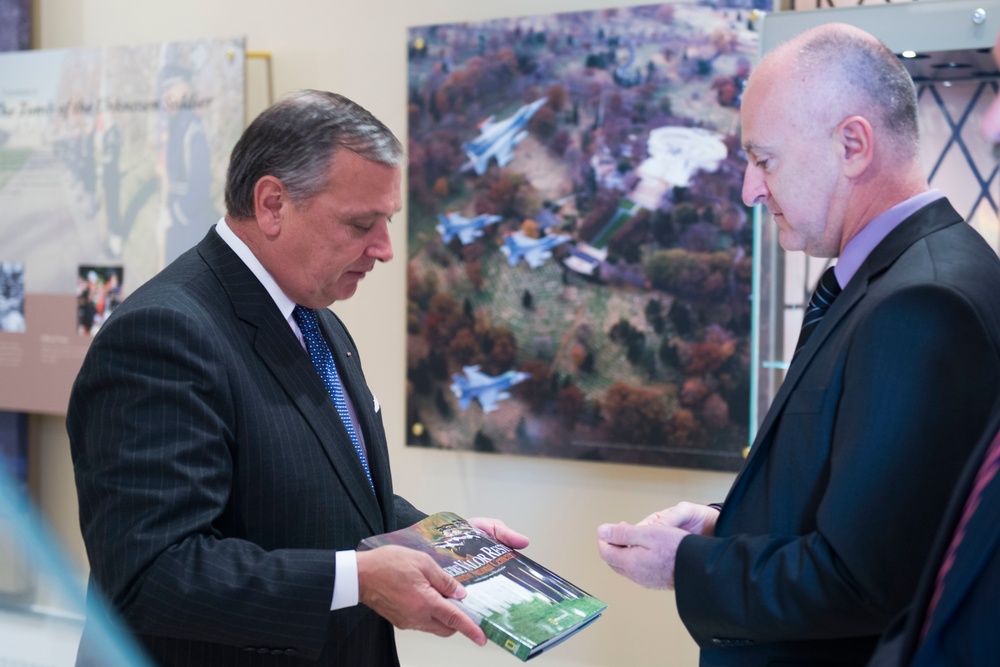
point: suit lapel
(843, 305)
(931, 218)
(278, 349)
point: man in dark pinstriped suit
(220, 495)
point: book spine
(505, 640)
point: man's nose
(381, 247)
(754, 189)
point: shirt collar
(281, 300)
(858, 248)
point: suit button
(250, 649)
(290, 651)
(263, 650)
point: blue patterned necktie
(322, 360)
(820, 302)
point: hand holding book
(498, 531)
(408, 589)
(518, 604)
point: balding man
(825, 530)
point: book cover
(520, 605)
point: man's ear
(270, 202)
(856, 140)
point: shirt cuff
(345, 586)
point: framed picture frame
(580, 260)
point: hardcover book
(520, 605)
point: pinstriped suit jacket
(216, 479)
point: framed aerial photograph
(580, 259)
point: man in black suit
(953, 619)
(221, 493)
(822, 536)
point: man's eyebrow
(371, 213)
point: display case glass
(43, 601)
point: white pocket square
(377, 406)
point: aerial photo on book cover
(520, 605)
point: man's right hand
(697, 519)
(408, 589)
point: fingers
(614, 555)
(635, 563)
(677, 515)
(499, 531)
(441, 581)
(412, 592)
(647, 567)
(691, 517)
(644, 554)
(621, 534)
(450, 619)
(655, 517)
(445, 616)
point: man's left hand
(498, 531)
(645, 553)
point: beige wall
(358, 49)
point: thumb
(442, 582)
(615, 533)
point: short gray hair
(861, 64)
(295, 139)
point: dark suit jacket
(965, 622)
(216, 480)
(825, 530)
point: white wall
(358, 49)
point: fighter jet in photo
(487, 389)
(466, 229)
(497, 138)
(534, 251)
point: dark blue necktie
(820, 302)
(322, 360)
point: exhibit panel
(112, 162)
